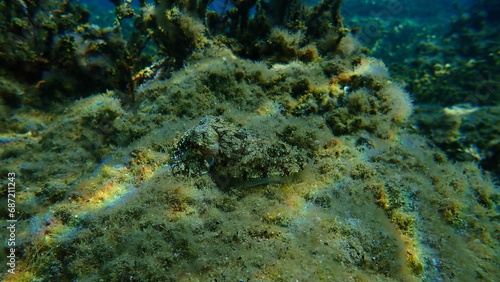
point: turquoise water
(234, 141)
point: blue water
(431, 9)
(422, 11)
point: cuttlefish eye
(210, 160)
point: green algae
(115, 192)
(368, 207)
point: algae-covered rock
(196, 178)
(464, 132)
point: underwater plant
(260, 142)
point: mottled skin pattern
(234, 156)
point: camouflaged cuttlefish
(235, 157)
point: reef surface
(261, 142)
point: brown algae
(254, 148)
